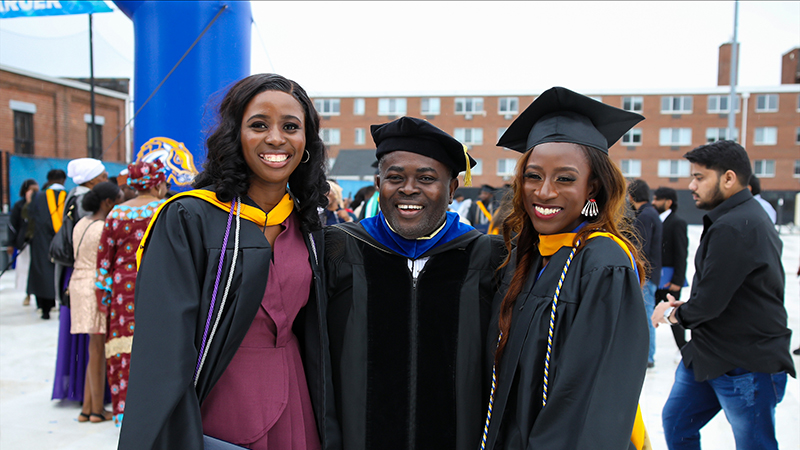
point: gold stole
(56, 207)
(275, 217)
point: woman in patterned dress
(116, 271)
(85, 316)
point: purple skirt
(71, 360)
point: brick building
(47, 117)
(677, 120)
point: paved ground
(30, 420)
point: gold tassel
(468, 174)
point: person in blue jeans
(738, 358)
(649, 229)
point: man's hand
(673, 287)
(658, 314)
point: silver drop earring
(590, 209)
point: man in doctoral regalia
(409, 294)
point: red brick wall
(58, 125)
(787, 119)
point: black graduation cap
(420, 136)
(561, 115)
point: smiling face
(557, 183)
(273, 138)
(415, 191)
(705, 187)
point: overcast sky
(341, 48)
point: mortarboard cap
(561, 115)
(420, 136)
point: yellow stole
(275, 217)
(550, 243)
(56, 207)
(548, 246)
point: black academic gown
(598, 359)
(173, 295)
(41, 278)
(406, 355)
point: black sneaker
(796, 351)
(46, 315)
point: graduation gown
(173, 294)
(598, 358)
(41, 278)
(406, 354)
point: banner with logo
(29, 8)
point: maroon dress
(261, 401)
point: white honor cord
(227, 287)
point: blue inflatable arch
(185, 52)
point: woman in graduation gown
(214, 350)
(570, 360)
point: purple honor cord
(201, 355)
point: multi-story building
(47, 117)
(677, 120)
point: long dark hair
(26, 185)
(611, 203)
(225, 169)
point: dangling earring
(590, 209)
(307, 157)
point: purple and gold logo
(176, 158)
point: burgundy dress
(261, 401)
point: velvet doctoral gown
(406, 353)
(598, 359)
(173, 294)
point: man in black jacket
(648, 227)
(674, 251)
(738, 357)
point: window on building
(721, 134)
(469, 105)
(631, 168)
(632, 137)
(798, 102)
(764, 168)
(797, 168)
(478, 169)
(508, 105)
(431, 106)
(675, 136)
(596, 97)
(23, 133)
(767, 103)
(506, 167)
(719, 104)
(797, 136)
(327, 106)
(330, 136)
(360, 136)
(673, 168)
(632, 104)
(392, 107)
(676, 104)
(766, 136)
(94, 140)
(469, 136)
(358, 107)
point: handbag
(61, 250)
(210, 443)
